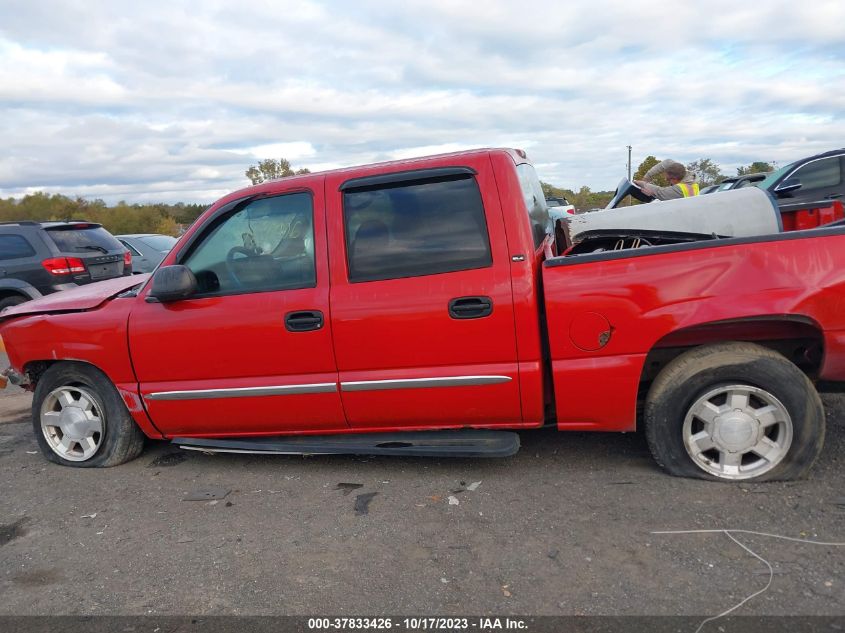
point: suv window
(819, 173)
(266, 245)
(15, 247)
(415, 228)
(535, 202)
(130, 248)
(70, 239)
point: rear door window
(90, 239)
(414, 228)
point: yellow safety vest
(688, 190)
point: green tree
(709, 173)
(757, 167)
(270, 169)
(550, 191)
(588, 199)
(648, 163)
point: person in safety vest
(681, 183)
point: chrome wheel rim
(72, 422)
(737, 432)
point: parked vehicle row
(40, 258)
(147, 249)
(808, 192)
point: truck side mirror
(173, 283)
(790, 184)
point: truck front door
(251, 352)
(421, 299)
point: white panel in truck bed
(737, 213)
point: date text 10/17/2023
(418, 624)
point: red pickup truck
(419, 307)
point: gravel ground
(564, 527)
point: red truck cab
(423, 297)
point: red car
(418, 307)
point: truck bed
(610, 313)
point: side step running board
(463, 443)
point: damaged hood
(85, 297)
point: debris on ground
(206, 494)
(453, 501)
(362, 503)
(474, 486)
(89, 516)
(347, 487)
(13, 530)
(505, 592)
(168, 459)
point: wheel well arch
(800, 339)
(34, 369)
(5, 293)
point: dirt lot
(564, 527)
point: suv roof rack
(22, 223)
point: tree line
(122, 218)
(171, 219)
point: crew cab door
(251, 352)
(421, 300)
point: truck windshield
(535, 202)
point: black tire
(682, 389)
(120, 440)
(13, 300)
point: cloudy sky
(172, 101)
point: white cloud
(160, 100)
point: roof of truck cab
(410, 163)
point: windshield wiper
(95, 248)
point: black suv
(810, 180)
(37, 258)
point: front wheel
(80, 420)
(734, 411)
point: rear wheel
(734, 411)
(80, 420)
(13, 300)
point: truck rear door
(421, 300)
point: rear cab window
(535, 203)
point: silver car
(147, 249)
